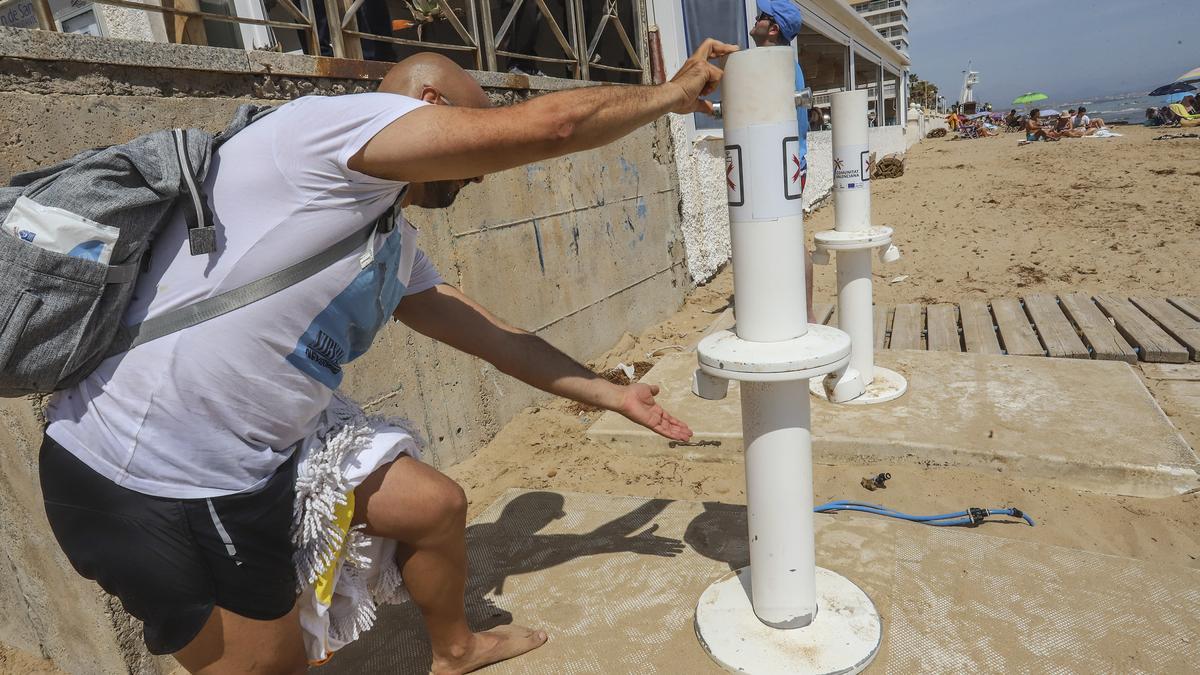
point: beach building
(616, 41)
(890, 18)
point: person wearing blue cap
(777, 24)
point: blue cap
(787, 16)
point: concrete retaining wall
(704, 201)
(580, 249)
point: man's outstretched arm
(446, 315)
(443, 142)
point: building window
(84, 23)
(76, 16)
(720, 19)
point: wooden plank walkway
(943, 328)
(1190, 306)
(1106, 342)
(1180, 326)
(1152, 342)
(979, 334)
(1056, 330)
(1018, 336)
(906, 327)
(1073, 325)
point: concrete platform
(1091, 425)
(615, 580)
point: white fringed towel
(344, 573)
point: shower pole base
(888, 385)
(843, 637)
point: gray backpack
(60, 315)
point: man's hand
(637, 404)
(648, 543)
(697, 77)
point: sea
(1129, 108)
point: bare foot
(488, 647)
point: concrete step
(1090, 425)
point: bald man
(168, 474)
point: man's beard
(439, 194)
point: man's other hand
(697, 77)
(638, 405)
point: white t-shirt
(1080, 121)
(216, 408)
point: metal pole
(643, 38)
(45, 15)
(333, 20)
(489, 37)
(850, 69)
(580, 40)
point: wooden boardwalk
(1072, 325)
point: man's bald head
(437, 80)
(427, 76)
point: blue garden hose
(971, 517)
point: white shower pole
(853, 237)
(773, 351)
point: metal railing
(589, 31)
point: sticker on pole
(793, 168)
(758, 181)
(851, 168)
(733, 175)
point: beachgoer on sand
(777, 24)
(1034, 130)
(170, 473)
(1080, 120)
(1062, 126)
(1183, 114)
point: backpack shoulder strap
(202, 235)
(210, 308)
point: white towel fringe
(321, 487)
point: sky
(1069, 49)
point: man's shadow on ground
(496, 551)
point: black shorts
(171, 560)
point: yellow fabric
(1178, 109)
(323, 586)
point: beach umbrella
(1173, 88)
(1030, 97)
(1192, 75)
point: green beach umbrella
(1030, 98)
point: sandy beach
(986, 218)
(981, 218)
(975, 219)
